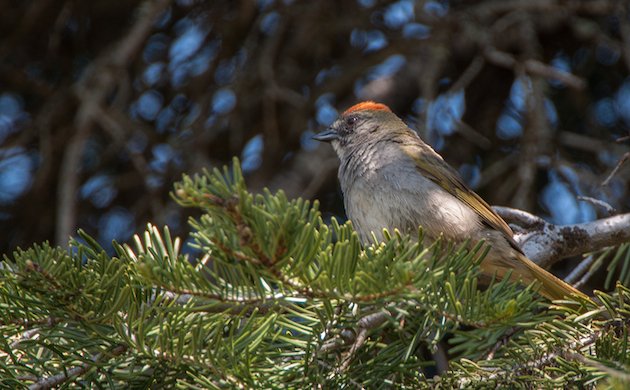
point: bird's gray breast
(389, 192)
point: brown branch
(620, 373)
(502, 341)
(468, 75)
(533, 67)
(493, 8)
(472, 135)
(440, 357)
(320, 176)
(549, 357)
(621, 162)
(92, 90)
(535, 143)
(537, 68)
(566, 352)
(68, 186)
(365, 324)
(56, 380)
(117, 124)
(624, 31)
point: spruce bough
(271, 296)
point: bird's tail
(550, 286)
(523, 270)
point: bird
(391, 179)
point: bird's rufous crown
(369, 105)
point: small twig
(620, 373)
(27, 324)
(365, 324)
(548, 357)
(622, 161)
(472, 135)
(93, 90)
(533, 67)
(521, 217)
(497, 169)
(221, 304)
(329, 367)
(624, 32)
(582, 142)
(580, 269)
(116, 125)
(468, 75)
(440, 357)
(335, 342)
(358, 343)
(320, 177)
(27, 335)
(599, 203)
(587, 275)
(56, 380)
(502, 341)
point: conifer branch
(277, 296)
(61, 378)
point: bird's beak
(327, 135)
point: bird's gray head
(359, 126)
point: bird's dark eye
(351, 120)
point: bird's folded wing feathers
(425, 157)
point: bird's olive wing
(447, 178)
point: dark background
(104, 104)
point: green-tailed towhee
(391, 179)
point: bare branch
(520, 217)
(468, 75)
(61, 378)
(599, 203)
(365, 324)
(588, 274)
(624, 31)
(567, 352)
(92, 90)
(549, 357)
(621, 162)
(472, 135)
(546, 243)
(502, 341)
(440, 357)
(580, 269)
(533, 67)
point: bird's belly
(406, 208)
